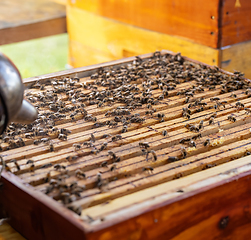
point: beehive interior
(126, 128)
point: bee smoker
(13, 108)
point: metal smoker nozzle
(13, 108)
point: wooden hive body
(216, 32)
(140, 197)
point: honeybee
(149, 168)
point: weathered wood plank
(30, 20)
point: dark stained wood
(30, 19)
(35, 215)
(236, 23)
(189, 19)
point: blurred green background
(39, 56)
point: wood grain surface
(236, 25)
(95, 39)
(188, 19)
(24, 20)
(8, 233)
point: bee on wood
(76, 146)
(172, 159)
(186, 115)
(28, 135)
(45, 140)
(65, 131)
(100, 182)
(195, 137)
(202, 103)
(29, 161)
(103, 146)
(160, 115)
(65, 197)
(183, 152)
(206, 142)
(47, 165)
(112, 154)
(239, 105)
(88, 144)
(190, 94)
(154, 155)
(58, 167)
(201, 124)
(47, 177)
(211, 87)
(106, 135)
(199, 109)
(71, 158)
(93, 139)
(187, 100)
(80, 174)
(113, 167)
(20, 142)
(215, 99)
(32, 167)
(16, 164)
(211, 120)
(223, 103)
(192, 144)
(144, 145)
(247, 153)
(194, 129)
(164, 133)
(51, 147)
(188, 125)
(104, 164)
(124, 129)
(186, 110)
(62, 136)
(148, 168)
(233, 95)
(248, 111)
(182, 141)
(6, 167)
(116, 137)
(117, 159)
(49, 189)
(95, 151)
(231, 118)
(76, 209)
(36, 142)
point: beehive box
(147, 147)
(215, 32)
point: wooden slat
(98, 39)
(186, 19)
(168, 219)
(186, 184)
